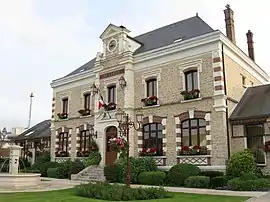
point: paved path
(51, 184)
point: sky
(41, 40)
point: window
(112, 94)
(65, 105)
(152, 137)
(87, 98)
(191, 80)
(193, 132)
(84, 140)
(63, 142)
(151, 87)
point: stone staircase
(92, 173)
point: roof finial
(227, 6)
(197, 14)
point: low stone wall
(93, 173)
(221, 168)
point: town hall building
(185, 78)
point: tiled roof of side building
(40, 130)
(164, 36)
(253, 104)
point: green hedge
(137, 165)
(52, 172)
(179, 173)
(104, 191)
(111, 173)
(93, 159)
(197, 182)
(152, 178)
(218, 182)
(259, 184)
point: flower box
(110, 106)
(84, 112)
(62, 115)
(193, 150)
(189, 95)
(150, 101)
(61, 154)
(148, 152)
(84, 153)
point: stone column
(14, 154)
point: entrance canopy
(253, 107)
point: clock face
(112, 45)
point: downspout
(226, 101)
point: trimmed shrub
(259, 184)
(111, 173)
(219, 181)
(197, 182)
(248, 176)
(52, 172)
(239, 163)
(152, 178)
(75, 167)
(179, 173)
(104, 191)
(137, 166)
(44, 167)
(211, 173)
(93, 159)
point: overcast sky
(41, 40)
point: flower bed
(150, 101)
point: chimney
(250, 45)
(229, 21)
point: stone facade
(168, 67)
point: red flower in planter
(197, 147)
(185, 148)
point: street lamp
(3, 134)
(93, 89)
(125, 124)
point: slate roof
(164, 36)
(41, 130)
(255, 103)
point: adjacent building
(186, 78)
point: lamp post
(125, 123)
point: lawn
(68, 196)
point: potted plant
(150, 101)
(118, 144)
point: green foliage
(259, 184)
(152, 178)
(197, 182)
(211, 173)
(137, 166)
(93, 159)
(44, 167)
(239, 163)
(111, 173)
(219, 181)
(104, 191)
(74, 167)
(51, 172)
(180, 172)
(44, 157)
(248, 176)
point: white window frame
(63, 96)
(188, 66)
(155, 74)
(107, 83)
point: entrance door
(111, 156)
(255, 142)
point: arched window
(193, 132)
(152, 137)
